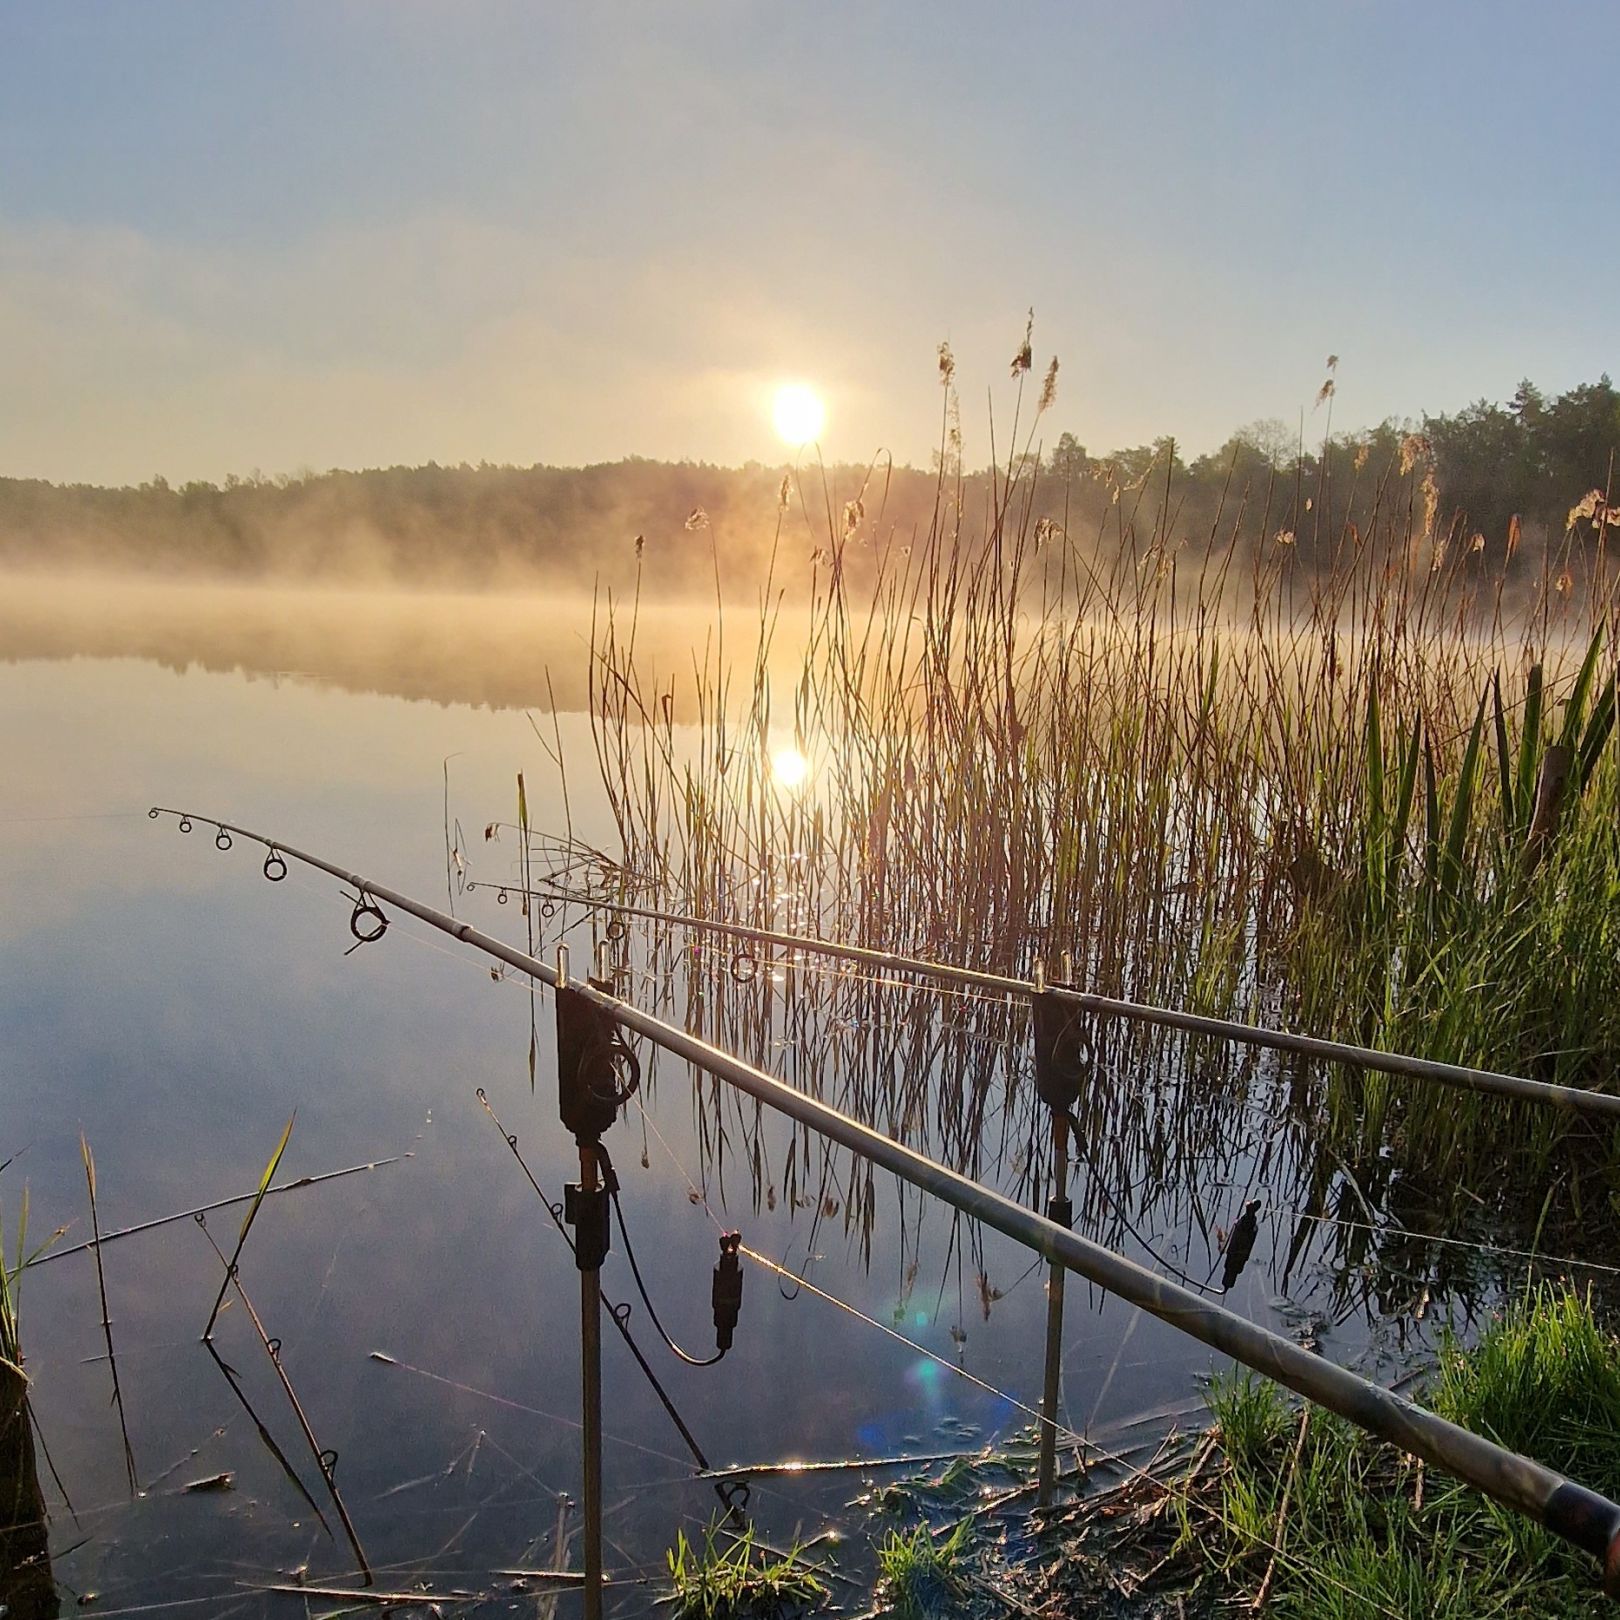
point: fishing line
(1455, 1243)
(803, 1282)
(519, 1406)
(611, 1180)
(618, 1314)
(1542, 1492)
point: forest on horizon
(1508, 482)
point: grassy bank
(1305, 1513)
(1276, 1507)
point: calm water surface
(157, 995)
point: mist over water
(520, 649)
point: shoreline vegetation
(1502, 484)
(1375, 799)
(1273, 1507)
(1287, 744)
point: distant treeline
(1507, 483)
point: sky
(288, 236)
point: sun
(790, 768)
(798, 413)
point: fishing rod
(1581, 1100)
(1569, 1510)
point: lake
(161, 998)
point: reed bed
(1194, 771)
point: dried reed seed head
(1333, 362)
(1431, 500)
(1415, 447)
(697, 518)
(784, 493)
(1025, 357)
(1325, 392)
(1477, 543)
(947, 365)
(1049, 386)
(1595, 507)
(1363, 451)
(854, 515)
(1285, 537)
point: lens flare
(798, 413)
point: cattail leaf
(1431, 818)
(1575, 708)
(1524, 789)
(1406, 789)
(1598, 730)
(1504, 760)
(1462, 807)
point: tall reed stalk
(1216, 777)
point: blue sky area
(356, 233)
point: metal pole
(1578, 1515)
(1054, 1316)
(590, 1352)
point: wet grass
(730, 1577)
(1340, 1525)
(919, 1571)
(1299, 1512)
(1286, 1509)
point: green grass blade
(1575, 707)
(1504, 758)
(1524, 788)
(1462, 810)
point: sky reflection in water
(158, 994)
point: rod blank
(1573, 1099)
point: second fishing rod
(1600, 1106)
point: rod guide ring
(367, 908)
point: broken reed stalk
(1264, 1590)
(106, 1318)
(191, 1214)
(325, 1460)
(247, 1225)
